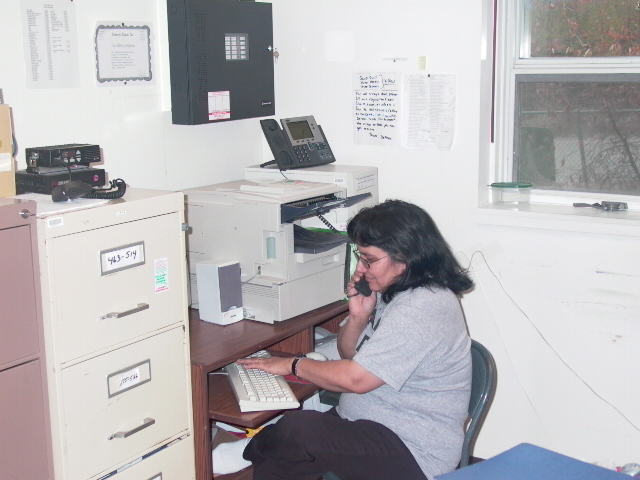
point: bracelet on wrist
(294, 365)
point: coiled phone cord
(347, 259)
(108, 193)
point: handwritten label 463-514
(121, 258)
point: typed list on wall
(50, 44)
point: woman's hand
(336, 375)
(360, 306)
(274, 365)
(360, 309)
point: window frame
(511, 60)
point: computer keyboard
(257, 390)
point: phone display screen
(300, 130)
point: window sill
(561, 217)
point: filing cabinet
(25, 447)
(116, 334)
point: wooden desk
(214, 346)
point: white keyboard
(257, 390)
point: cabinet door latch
(25, 213)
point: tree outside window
(576, 87)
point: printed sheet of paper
(415, 110)
(428, 111)
(50, 44)
(46, 206)
(442, 111)
(219, 104)
(123, 54)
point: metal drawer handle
(147, 422)
(139, 308)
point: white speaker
(219, 292)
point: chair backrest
(483, 385)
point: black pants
(305, 444)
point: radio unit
(62, 155)
(45, 182)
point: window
(568, 94)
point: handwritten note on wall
(377, 108)
(410, 110)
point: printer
(356, 179)
(286, 269)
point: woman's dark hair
(408, 235)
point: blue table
(529, 462)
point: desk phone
(362, 286)
(300, 143)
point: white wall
(559, 310)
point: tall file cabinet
(25, 446)
(116, 333)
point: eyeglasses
(365, 262)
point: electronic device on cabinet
(54, 166)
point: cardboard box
(7, 163)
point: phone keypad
(302, 151)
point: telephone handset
(362, 286)
(300, 143)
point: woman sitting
(405, 371)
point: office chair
(483, 387)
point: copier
(356, 179)
(286, 268)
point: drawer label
(161, 274)
(121, 258)
(55, 222)
(128, 378)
